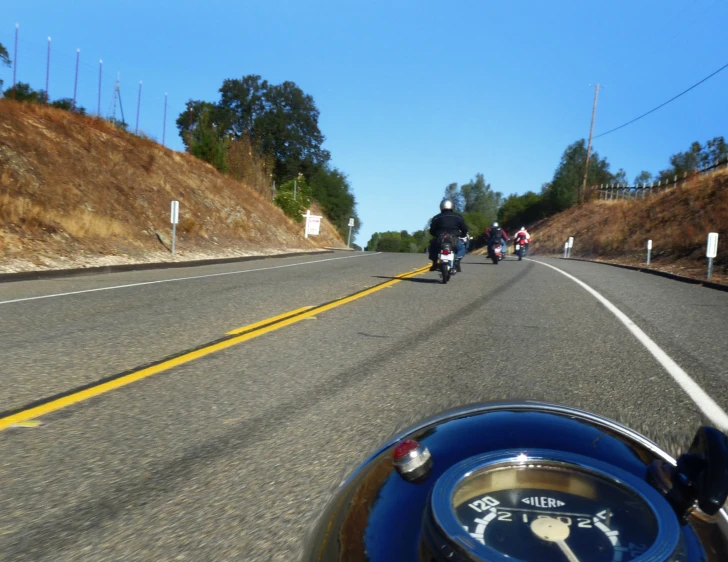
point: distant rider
(448, 222)
(523, 238)
(496, 235)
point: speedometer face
(552, 511)
(602, 523)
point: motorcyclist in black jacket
(447, 222)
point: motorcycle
(447, 261)
(529, 482)
(521, 250)
(497, 252)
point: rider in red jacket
(522, 237)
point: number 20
(483, 504)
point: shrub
(294, 207)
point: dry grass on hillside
(677, 221)
(75, 186)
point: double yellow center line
(234, 337)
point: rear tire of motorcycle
(520, 256)
(495, 261)
(445, 270)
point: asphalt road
(231, 456)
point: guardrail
(614, 191)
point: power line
(664, 104)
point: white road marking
(706, 404)
(183, 278)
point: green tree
(280, 124)
(521, 210)
(67, 105)
(118, 123)
(330, 187)
(643, 177)
(388, 242)
(402, 241)
(289, 130)
(695, 158)
(188, 120)
(683, 162)
(4, 59)
(281, 119)
(452, 192)
(619, 177)
(294, 197)
(205, 141)
(563, 191)
(478, 197)
(477, 223)
(716, 151)
(422, 240)
(23, 92)
(476, 201)
(242, 103)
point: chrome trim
(545, 407)
(527, 406)
(668, 529)
(415, 459)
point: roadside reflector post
(566, 249)
(174, 219)
(351, 225)
(570, 244)
(649, 251)
(712, 251)
(308, 218)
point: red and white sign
(313, 224)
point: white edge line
(706, 404)
(182, 279)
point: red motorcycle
(521, 248)
(497, 252)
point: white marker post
(712, 251)
(571, 245)
(649, 251)
(308, 218)
(351, 225)
(175, 220)
(566, 249)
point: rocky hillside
(77, 191)
(677, 221)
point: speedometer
(550, 506)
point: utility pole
(15, 59)
(48, 71)
(116, 92)
(75, 80)
(582, 198)
(164, 126)
(139, 104)
(101, 70)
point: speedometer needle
(553, 530)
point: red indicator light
(404, 448)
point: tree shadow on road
(412, 279)
(484, 262)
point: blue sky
(413, 94)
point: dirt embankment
(76, 191)
(677, 221)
